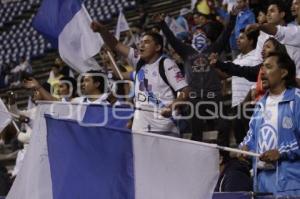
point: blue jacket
(288, 166)
(243, 19)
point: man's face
(267, 49)
(89, 86)
(295, 8)
(272, 74)
(241, 4)
(199, 20)
(148, 48)
(274, 16)
(243, 42)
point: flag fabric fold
(5, 117)
(122, 25)
(66, 25)
(68, 158)
(174, 26)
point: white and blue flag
(66, 25)
(5, 117)
(81, 151)
(122, 25)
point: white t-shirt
(241, 86)
(268, 134)
(152, 93)
(101, 100)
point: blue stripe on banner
(117, 116)
(52, 17)
(89, 162)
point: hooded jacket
(202, 79)
(288, 175)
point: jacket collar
(288, 96)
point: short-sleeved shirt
(152, 93)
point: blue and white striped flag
(66, 24)
(76, 157)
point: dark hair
(73, 82)
(98, 78)
(263, 9)
(282, 7)
(279, 48)
(158, 39)
(251, 35)
(285, 62)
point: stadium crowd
(184, 73)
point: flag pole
(248, 153)
(10, 113)
(16, 127)
(115, 65)
(214, 146)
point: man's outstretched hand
(97, 26)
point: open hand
(213, 59)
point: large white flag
(122, 25)
(5, 117)
(68, 159)
(66, 24)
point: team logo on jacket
(267, 138)
(287, 122)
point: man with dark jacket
(204, 81)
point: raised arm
(180, 48)
(109, 39)
(248, 72)
(34, 84)
(267, 28)
(219, 45)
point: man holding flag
(152, 91)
